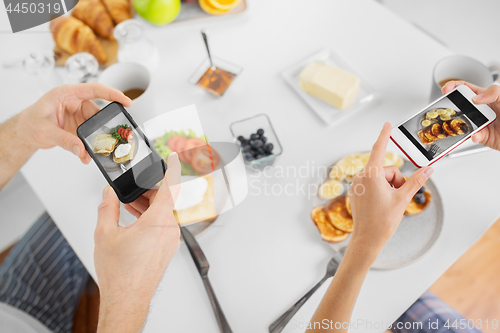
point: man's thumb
(109, 210)
(415, 182)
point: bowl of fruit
(258, 141)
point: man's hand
(53, 119)
(379, 197)
(130, 262)
(489, 136)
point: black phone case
(139, 190)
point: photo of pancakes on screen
(443, 124)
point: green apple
(158, 11)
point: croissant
(438, 131)
(94, 14)
(118, 9)
(72, 35)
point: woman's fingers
(450, 85)
(490, 95)
(415, 182)
(394, 176)
(378, 151)
(481, 136)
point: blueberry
(248, 156)
(254, 136)
(246, 148)
(244, 142)
(269, 147)
(268, 153)
(422, 190)
(258, 143)
(264, 139)
(261, 151)
(419, 198)
(260, 132)
(259, 156)
(241, 138)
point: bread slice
(202, 212)
(125, 158)
(104, 144)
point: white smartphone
(441, 127)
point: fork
(279, 324)
(434, 149)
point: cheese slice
(329, 83)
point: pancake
(459, 126)
(428, 134)
(338, 215)
(437, 131)
(423, 138)
(416, 208)
(448, 130)
(328, 232)
(348, 205)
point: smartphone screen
(122, 152)
(443, 124)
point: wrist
(122, 313)
(20, 132)
(363, 251)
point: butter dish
(331, 115)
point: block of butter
(329, 83)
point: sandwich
(104, 144)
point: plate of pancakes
(417, 232)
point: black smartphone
(128, 161)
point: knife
(201, 263)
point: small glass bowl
(218, 63)
(248, 126)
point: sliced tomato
(130, 136)
(205, 159)
(189, 149)
(176, 143)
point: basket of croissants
(90, 25)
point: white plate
(415, 235)
(325, 111)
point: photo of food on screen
(443, 125)
(117, 146)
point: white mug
(129, 75)
(463, 68)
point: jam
(216, 80)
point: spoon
(204, 34)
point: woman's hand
(379, 197)
(53, 119)
(130, 262)
(489, 136)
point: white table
(266, 253)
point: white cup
(129, 75)
(463, 68)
